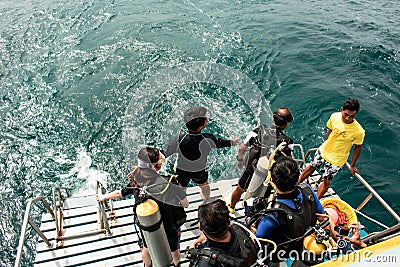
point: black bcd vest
(294, 222)
(216, 257)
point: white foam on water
(87, 174)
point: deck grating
(121, 248)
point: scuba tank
(150, 223)
(261, 176)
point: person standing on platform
(193, 148)
(262, 141)
(169, 198)
(344, 132)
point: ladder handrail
(376, 195)
(103, 220)
(58, 207)
(27, 220)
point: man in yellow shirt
(343, 132)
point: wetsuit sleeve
(251, 138)
(126, 191)
(176, 192)
(318, 204)
(171, 147)
(266, 226)
(288, 150)
(181, 194)
(219, 142)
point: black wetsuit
(193, 149)
(239, 251)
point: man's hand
(354, 170)
(234, 141)
(100, 198)
(355, 236)
(201, 239)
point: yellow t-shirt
(336, 148)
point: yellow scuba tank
(311, 244)
(149, 218)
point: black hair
(149, 154)
(214, 218)
(195, 124)
(195, 117)
(351, 104)
(281, 116)
(285, 173)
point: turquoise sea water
(70, 69)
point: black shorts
(184, 177)
(245, 179)
(251, 163)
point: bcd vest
(267, 140)
(216, 257)
(294, 222)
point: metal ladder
(57, 214)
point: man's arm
(113, 195)
(328, 133)
(220, 142)
(356, 154)
(184, 202)
(355, 236)
(239, 157)
(171, 147)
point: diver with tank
(158, 209)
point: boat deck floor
(121, 248)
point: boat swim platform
(121, 248)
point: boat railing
(302, 160)
(28, 220)
(372, 194)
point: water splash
(86, 173)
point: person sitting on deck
(145, 174)
(222, 243)
(193, 148)
(294, 210)
(262, 142)
(343, 132)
